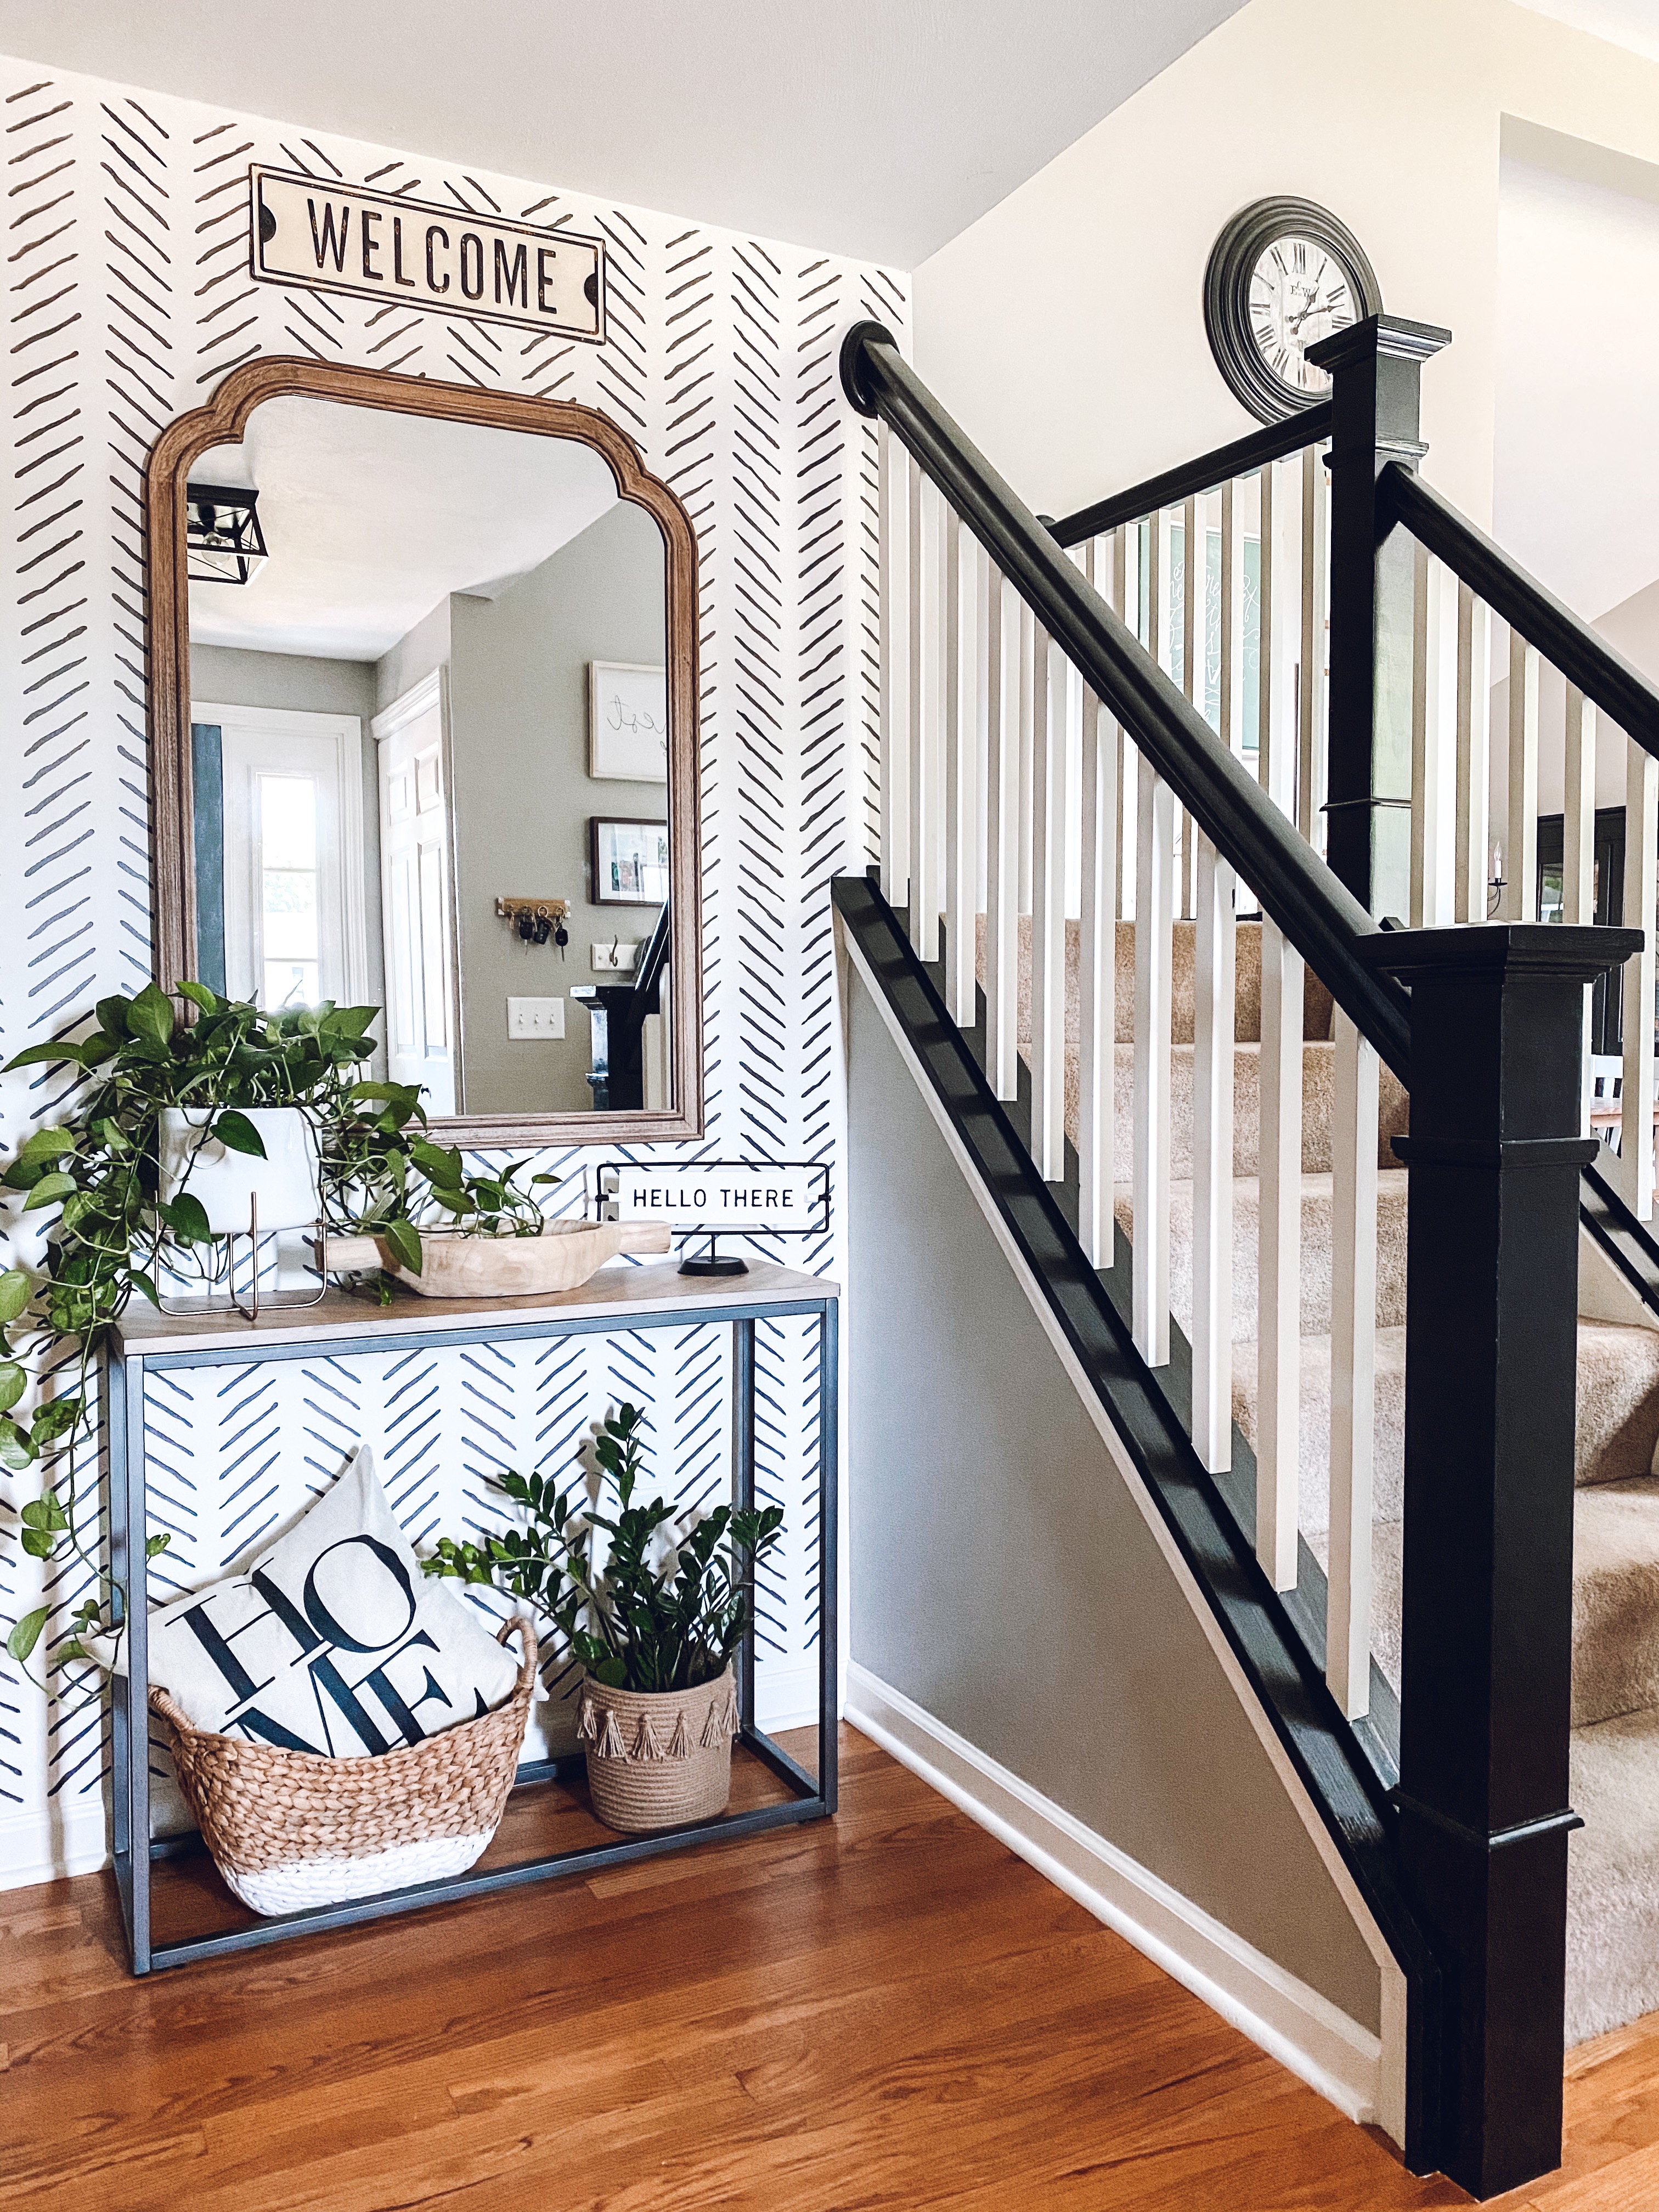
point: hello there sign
(719, 1196)
(376, 246)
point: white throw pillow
(333, 1641)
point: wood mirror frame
(222, 422)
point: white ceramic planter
(284, 1181)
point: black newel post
(1375, 370)
(1491, 1278)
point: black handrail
(1622, 692)
(1305, 427)
(1320, 916)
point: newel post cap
(1499, 953)
(854, 382)
(1391, 336)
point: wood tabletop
(620, 1290)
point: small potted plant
(655, 1621)
(161, 1102)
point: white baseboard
(1292, 2023)
(38, 1846)
(786, 1696)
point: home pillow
(332, 1641)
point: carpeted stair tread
(1612, 1875)
(1615, 1600)
(1618, 1401)
(1317, 1208)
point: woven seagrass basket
(657, 1758)
(289, 1830)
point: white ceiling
(1632, 23)
(875, 128)
(373, 518)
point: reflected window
(289, 907)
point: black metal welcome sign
(377, 246)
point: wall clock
(1283, 274)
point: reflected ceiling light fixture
(224, 542)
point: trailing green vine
(114, 1234)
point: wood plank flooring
(892, 2011)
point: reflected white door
(414, 894)
(292, 831)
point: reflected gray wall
(1003, 1578)
(517, 731)
(231, 677)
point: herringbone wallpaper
(127, 298)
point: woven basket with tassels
(657, 1758)
(289, 1830)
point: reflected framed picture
(629, 860)
(627, 722)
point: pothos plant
(114, 1233)
(670, 1599)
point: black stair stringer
(1318, 1740)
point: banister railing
(1048, 767)
(1274, 442)
(1321, 919)
(1564, 638)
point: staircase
(1613, 1939)
(1157, 976)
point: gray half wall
(1002, 1576)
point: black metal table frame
(814, 1799)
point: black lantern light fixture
(224, 542)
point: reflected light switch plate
(539, 1020)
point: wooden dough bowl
(561, 1258)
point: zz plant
(672, 1598)
(114, 1234)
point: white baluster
(923, 831)
(1353, 1367)
(1097, 947)
(1578, 825)
(1154, 981)
(1001, 856)
(1126, 601)
(1431, 901)
(1276, 723)
(960, 788)
(1311, 768)
(1641, 895)
(893, 568)
(1027, 726)
(1279, 1266)
(1521, 846)
(1215, 981)
(1050, 812)
(1578, 853)
(1474, 751)
(1229, 716)
(1195, 534)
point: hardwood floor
(892, 2011)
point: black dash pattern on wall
(128, 300)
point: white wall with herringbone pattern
(127, 299)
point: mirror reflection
(430, 750)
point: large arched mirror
(423, 706)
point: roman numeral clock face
(1283, 275)
(1299, 294)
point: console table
(202, 1920)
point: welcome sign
(376, 246)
